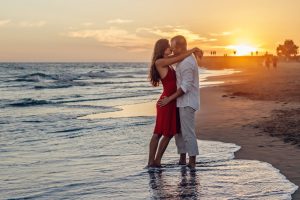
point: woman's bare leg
(152, 149)
(161, 149)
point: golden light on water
(242, 49)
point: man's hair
(180, 40)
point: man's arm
(187, 82)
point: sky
(126, 30)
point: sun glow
(242, 49)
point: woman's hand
(164, 101)
(199, 54)
(196, 49)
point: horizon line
(107, 61)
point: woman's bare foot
(157, 163)
(181, 163)
(153, 166)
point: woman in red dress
(167, 119)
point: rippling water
(47, 152)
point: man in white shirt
(187, 95)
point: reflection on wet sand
(162, 186)
(188, 186)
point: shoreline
(138, 109)
(228, 116)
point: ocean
(48, 151)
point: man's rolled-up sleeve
(187, 77)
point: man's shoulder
(190, 60)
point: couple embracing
(177, 104)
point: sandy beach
(258, 110)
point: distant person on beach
(187, 96)
(267, 61)
(167, 118)
(274, 61)
(270, 59)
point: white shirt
(187, 76)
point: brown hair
(159, 50)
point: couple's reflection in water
(179, 184)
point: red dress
(167, 118)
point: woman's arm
(165, 62)
(198, 56)
(165, 100)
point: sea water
(47, 151)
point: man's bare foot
(192, 162)
(182, 159)
(191, 165)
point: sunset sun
(242, 49)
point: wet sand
(133, 110)
(253, 109)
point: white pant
(186, 141)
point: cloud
(119, 21)
(139, 39)
(28, 24)
(113, 37)
(222, 33)
(171, 31)
(226, 33)
(4, 22)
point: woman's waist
(167, 93)
(169, 89)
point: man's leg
(188, 129)
(192, 162)
(180, 148)
(180, 143)
(161, 149)
(182, 159)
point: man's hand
(164, 101)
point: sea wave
(26, 102)
(38, 77)
(41, 77)
(29, 102)
(35, 77)
(99, 74)
(61, 84)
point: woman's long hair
(159, 50)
